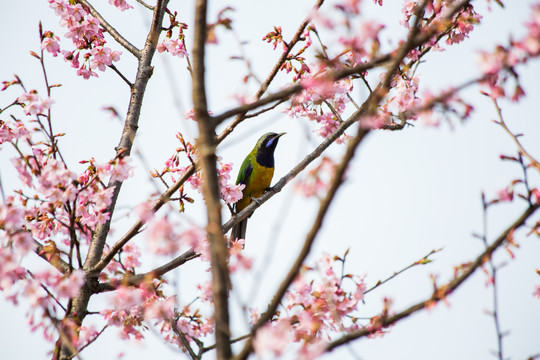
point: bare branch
(55, 261)
(152, 274)
(207, 150)
(514, 137)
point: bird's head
(266, 146)
(268, 142)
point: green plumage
(256, 173)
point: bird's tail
(239, 230)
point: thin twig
(121, 75)
(514, 137)
(149, 7)
(212, 347)
(495, 312)
(424, 260)
(93, 338)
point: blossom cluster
(175, 46)
(498, 65)
(316, 181)
(435, 16)
(54, 214)
(322, 101)
(33, 104)
(86, 33)
(320, 303)
(229, 192)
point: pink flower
(194, 237)
(174, 47)
(126, 297)
(121, 4)
(144, 212)
(160, 309)
(536, 292)
(86, 333)
(51, 45)
(122, 169)
(85, 73)
(33, 104)
(190, 114)
(91, 25)
(273, 338)
(506, 194)
(69, 287)
(535, 196)
(205, 292)
(162, 237)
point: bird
(256, 174)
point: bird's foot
(256, 201)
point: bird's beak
(280, 135)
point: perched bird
(256, 173)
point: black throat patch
(265, 153)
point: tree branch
(144, 72)
(135, 280)
(207, 150)
(442, 291)
(264, 86)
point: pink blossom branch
(80, 303)
(207, 150)
(130, 126)
(441, 292)
(136, 228)
(414, 40)
(111, 30)
(369, 105)
(264, 86)
(289, 91)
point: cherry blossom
(33, 104)
(174, 47)
(121, 4)
(85, 32)
(50, 43)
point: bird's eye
(270, 142)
